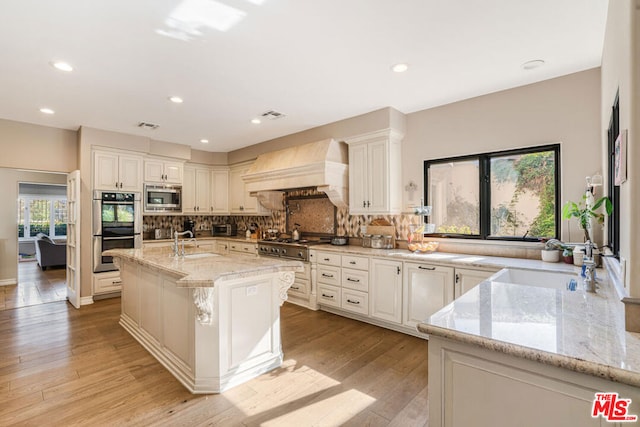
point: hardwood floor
(61, 366)
(34, 286)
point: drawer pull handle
(353, 280)
(326, 259)
(295, 288)
(352, 262)
(353, 302)
(116, 282)
(327, 275)
(327, 296)
(426, 268)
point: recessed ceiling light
(530, 65)
(47, 111)
(204, 141)
(62, 66)
(256, 121)
(400, 68)
(176, 99)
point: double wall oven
(117, 223)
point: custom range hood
(322, 164)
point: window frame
(613, 190)
(484, 190)
(27, 216)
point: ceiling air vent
(147, 125)
(272, 115)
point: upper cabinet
(162, 171)
(196, 189)
(241, 202)
(375, 173)
(117, 171)
(219, 191)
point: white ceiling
(317, 61)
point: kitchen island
(213, 321)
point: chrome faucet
(175, 246)
(589, 267)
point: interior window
(508, 195)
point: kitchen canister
(377, 241)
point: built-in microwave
(224, 229)
(162, 198)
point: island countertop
(205, 269)
(578, 331)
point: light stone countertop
(207, 271)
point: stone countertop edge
(575, 364)
(208, 274)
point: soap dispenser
(296, 234)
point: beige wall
(27, 146)
(375, 120)
(564, 110)
(621, 71)
(9, 180)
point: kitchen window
(505, 195)
(39, 214)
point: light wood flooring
(34, 286)
(61, 366)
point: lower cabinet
(467, 279)
(222, 248)
(329, 295)
(243, 248)
(108, 282)
(385, 290)
(426, 289)
(355, 301)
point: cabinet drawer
(329, 295)
(328, 258)
(245, 248)
(329, 275)
(106, 282)
(357, 262)
(355, 301)
(306, 274)
(355, 279)
(300, 287)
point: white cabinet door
(236, 190)
(189, 190)
(130, 173)
(378, 166)
(220, 191)
(358, 183)
(153, 171)
(173, 172)
(222, 247)
(385, 290)
(467, 279)
(203, 190)
(114, 171)
(105, 171)
(426, 289)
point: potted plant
(551, 250)
(584, 213)
(567, 255)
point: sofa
(49, 252)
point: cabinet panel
(358, 182)
(328, 258)
(385, 290)
(173, 172)
(300, 287)
(355, 279)
(466, 279)
(203, 190)
(426, 289)
(355, 301)
(195, 190)
(222, 248)
(153, 171)
(247, 249)
(236, 190)
(219, 191)
(106, 282)
(130, 173)
(378, 158)
(329, 275)
(357, 262)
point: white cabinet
(467, 279)
(385, 290)
(375, 173)
(104, 283)
(196, 189)
(168, 172)
(328, 278)
(240, 200)
(222, 247)
(117, 171)
(426, 289)
(219, 191)
(243, 248)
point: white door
(73, 238)
(385, 290)
(378, 176)
(426, 289)
(467, 279)
(358, 190)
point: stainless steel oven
(117, 223)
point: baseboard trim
(7, 282)
(86, 300)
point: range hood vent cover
(322, 164)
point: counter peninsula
(213, 321)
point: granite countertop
(207, 271)
(578, 331)
(208, 237)
(451, 259)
